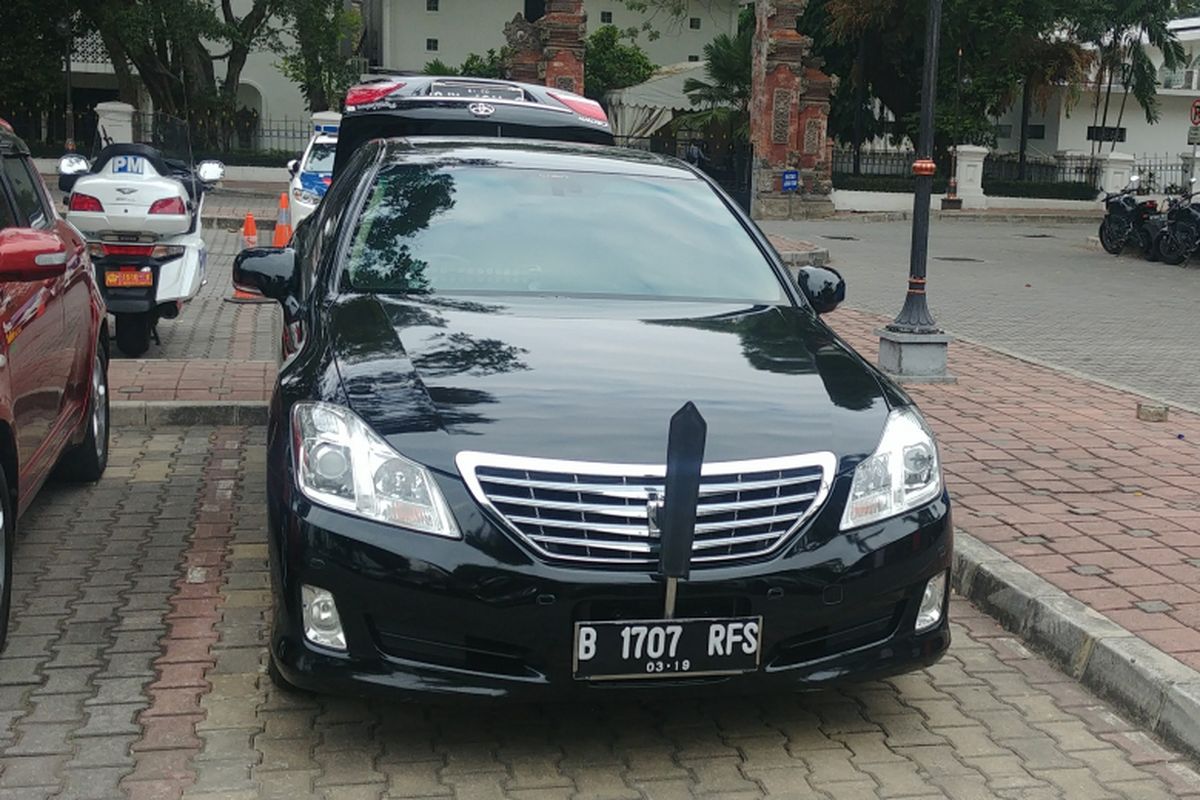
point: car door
(31, 322)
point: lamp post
(63, 26)
(913, 347)
(952, 202)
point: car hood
(598, 380)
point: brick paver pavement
(135, 670)
(1124, 320)
(191, 379)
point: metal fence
(1061, 169)
(1165, 174)
(874, 162)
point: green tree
(1120, 30)
(31, 63)
(724, 95)
(611, 64)
(175, 45)
(316, 58)
(491, 65)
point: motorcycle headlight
(904, 472)
(343, 464)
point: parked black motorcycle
(1180, 236)
(1127, 220)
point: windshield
(169, 135)
(516, 231)
(320, 157)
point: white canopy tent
(638, 111)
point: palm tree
(1052, 63)
(728, 67)
(1120, 30)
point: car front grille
(597, 513)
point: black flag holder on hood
(675, 518)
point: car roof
(11, 143)
(532, 154)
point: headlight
(305, 196)
(901, 474)
(343, 464)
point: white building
(1057, 129)
(408, 34)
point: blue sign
(791, 180)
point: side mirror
(293, 166)
(29, 255)
(269, 271)
(822, 287)
(210, 171)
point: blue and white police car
(312, 172)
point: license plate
(673, 648)
(129, 278)
(131, 165)
(481, 91)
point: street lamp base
(952, 204)
(914, 357)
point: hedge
(1046, 191)
(883, 183)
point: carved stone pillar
(789, 116)
(564, 30)
(524, 42)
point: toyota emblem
(481, 109)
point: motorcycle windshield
(170, 135)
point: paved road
(1123, 320)
(210, 327)
(134, 670)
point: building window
(606, 17)
(1106, 133)
(431, 45)
(693, 58)
(694, 23)
(431, 5)
(1036, 131)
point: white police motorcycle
(139, 206)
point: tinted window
(320, 158)
(488, 229)
(7, 220)
(25, 191)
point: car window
(524, 231)
(26, 194)
(320, 158)
(7, 218)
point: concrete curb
(999, 215)
(169, 413)
(1160, 692)
(817, 257)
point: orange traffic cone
(249, 239)
(283, 225)
(249, 231)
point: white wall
(463, 27)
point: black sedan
(488, 339)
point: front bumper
(481, 617)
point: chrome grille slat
(596, 513)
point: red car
(53, 350)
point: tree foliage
(31, 58)
(316, 56)
(724, 95)
(491, 65)
(610, 63)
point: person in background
(695, 155)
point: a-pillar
(115, 122)
(564, 32)
(789, 112)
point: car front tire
(8, 541)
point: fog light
(322, 625)
(932, 603)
